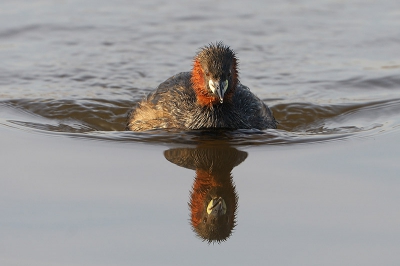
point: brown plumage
(210, 96)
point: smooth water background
(322, 189)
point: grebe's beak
(219, 88)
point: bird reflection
(213, 198)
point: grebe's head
(214, 74)
(213, 198)
(213, 205)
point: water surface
(76, 189)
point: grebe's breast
(243, 111)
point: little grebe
(210, 96)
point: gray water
(322, 189)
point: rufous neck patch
(204, 182)
(204, 98)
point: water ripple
(298, 122)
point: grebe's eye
(207, 73)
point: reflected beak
(216, 207)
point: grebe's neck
(204, 97)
